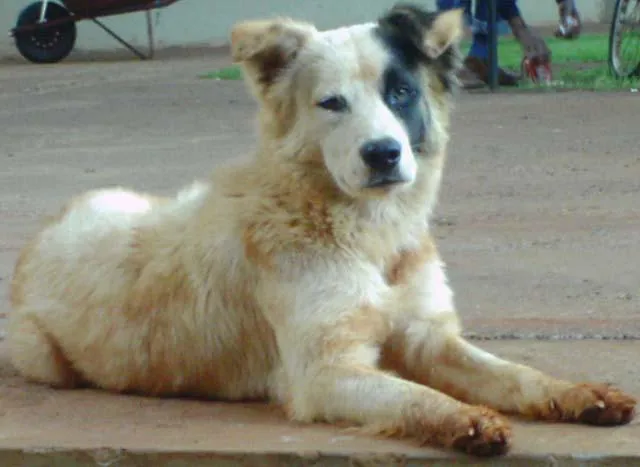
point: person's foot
(469, 80)
(570, 25)
(480, 69)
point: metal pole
(492, 26)
(139, 54)
(150, 34)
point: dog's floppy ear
(431, 33)
(266, 47)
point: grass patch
(578, 64)
(232, 72)
(589, 48)
(597, 78)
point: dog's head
(369, 99)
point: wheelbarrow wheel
(45, 44)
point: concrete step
(42, 427)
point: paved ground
(88, 427)
(539, 222)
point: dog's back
(97, 293)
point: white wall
(201, 22)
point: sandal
(570, 25)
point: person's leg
(480, 46)
(569, 26)
(478, 56)
(443, 5)
(507, 9)
(468, 78)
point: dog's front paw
(600, 404)
(593, 404)
(478, 431)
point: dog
(307, 276)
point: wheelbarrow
(46, 31)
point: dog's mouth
(385, 179)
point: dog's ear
(266, 47)
(445, 31)
(432, 34)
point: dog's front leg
(385, 404)
(329, 346)
(428, 348)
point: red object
(538, 71)
(96, 8)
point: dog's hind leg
(36, 355)
(451, 364)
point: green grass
(596, 78)
(228, 73)
(589, 48)
(578, 64)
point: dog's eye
(401, 96)
(333, 103)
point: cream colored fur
(284, 278)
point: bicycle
(624, 39)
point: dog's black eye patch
(334, 103)
(401, 92)
(401, 95)
(400, 88)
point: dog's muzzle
(382, 156)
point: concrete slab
(44, 427)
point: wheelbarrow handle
(43, 11)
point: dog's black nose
(381, 154)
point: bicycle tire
(616, 65)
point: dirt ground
(539, 218)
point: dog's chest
(401, 266)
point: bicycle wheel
(46, 44)
(624, 39)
